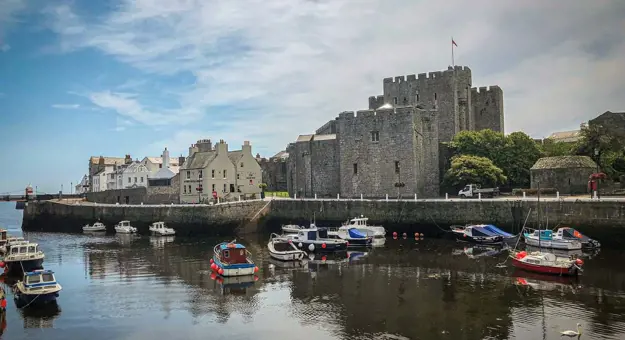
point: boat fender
(211, 261)
(221, 271)
(299, 245)
(3, 304)
(521, 255)
(323, 245)
(311, 247)
(1, 264)
(255, 269)
(579, 262)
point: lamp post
(597, 159)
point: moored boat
(547, 240)
(568, 233)
(282, 248)
(23, 256)
(361, 223)
(36, 287)
(352, 235)
(317, 240)
(546, 263)
(98, 226)
(124, 227)
(232, 259)
(292, 228)
(3, 240)
(476, 234)
(160, 229)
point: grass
(276, 193)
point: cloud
(9, 16)
(122, 124)
(269, 70)
(5, 47)
(66, 106)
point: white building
(82, 186)
(101, 178)
(134, 175)
(155, 163)
(228, 174)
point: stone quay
(603, 219)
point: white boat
(352, 235)
(360, 223)
(546, 263)
(38, 286)
(23, 256)
(124, 227)
(547, 240)
(98, 226)
(282, 248)
(160, 229)
(291, 228)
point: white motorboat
(124, 227)
(282, 248)
(23, 256)
(98, 226)
(291, 228)
(360, 223)
(37, 286)
(547, 240)
(352, 235)
(160, 229)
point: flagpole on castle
(452, 51)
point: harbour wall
(221, 219)
(603, 220)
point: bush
(533, 192)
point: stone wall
(565, 180)
(488, 108)
(274, 174)
(223, 219)
(312, 166)
(150, 195)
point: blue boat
(353, 236)
(476, 234)
(36, 287)
(316, 240)
(232, 259)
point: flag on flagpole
(453, 42)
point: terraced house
(229, 174)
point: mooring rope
(503, 264)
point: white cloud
(9, 11)
(5, 47)
(285, 67)
(66, 106)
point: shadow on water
(140, 287)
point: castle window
(129, 180)
(241, 164)
(417, 97)
(188, 174)
(435, 97)
(405, 101)
(375, 136)
(213, 173)
(395, 100)
(160, 166)
(396, 167)
(238, 176)
(225, 187)
(200, 175)
(355, 168)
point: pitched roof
(159, 160)
(200, 160)
(163, 173)
(325, 137)
(281, 154)
(564, 162)
(565, 134)
(235, 156)
(107, 160)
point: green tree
(551, 148)
(467, 169)
(514, 154)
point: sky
(83, 78)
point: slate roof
(281, 154)
(108, 160)
(235, 156)
(163, 173)
(200, 160)
(564, 162)
(159, 160)
(575, 134)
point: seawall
(222, 219)
(603, 220)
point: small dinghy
(98, 226)
(36, 287)
(232, 259)
(568, 233)
(282, 248)
(548, 240)
(476, 234)
(546, 263)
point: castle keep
(393, 147)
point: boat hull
(163, 233)
(93, 229)
(21, 299)
(317, 246)
(24, 266)
(287, 256)
(239, 269)
(553, 244)
(461, 236)
(551, 270)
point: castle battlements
(486, 89)
(428, 76)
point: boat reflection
(126, 239)
(233, 285)
(545, 282)
(477, 251)
(161, 241)
(577, 253)
(355, 256)
(41, 317)
(287, 264)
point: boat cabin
(312, 234)
(3, 237)
(232, 253)
(23, 248)
(38, 279)
(98, 225)
(158, 225)
(358, 222)
(123, 224)
(544, 234)
(569, 233)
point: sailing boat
(545, 263)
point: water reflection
(41, 317)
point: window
(188, 174)
(201, 188)
(231, 187)
(435, 97)
(395, 100)
(199, 175)
(213, 187)
(375, 136)
(213, 173)
(224, 174)
(190, 189)
(185, 188)
(417, 97)
(129, 180)
(241, 164)
(226, 254)
(135, 179)
(224, 187)
(355, 168)
(141, 179)
(160, 166)
(396, 167)
(238, 176)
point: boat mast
(538, 206)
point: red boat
(546, 263)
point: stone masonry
(397, 141)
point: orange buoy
(221, 271)
(212, 261)
(213, 276)
(255, 269)
(579, 262)
(323, 245)
(394, 233)
(3, 303)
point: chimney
(101, 160)
(180, 160)
(246, 148)
(165, 158)
(193, 149)
(222, 147)
(127, 160)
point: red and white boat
(546, 263)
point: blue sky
(82, 78)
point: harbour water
(117, 287)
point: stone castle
(394, 147)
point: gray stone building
(394, 146)
(567, 174)
(274, 171)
